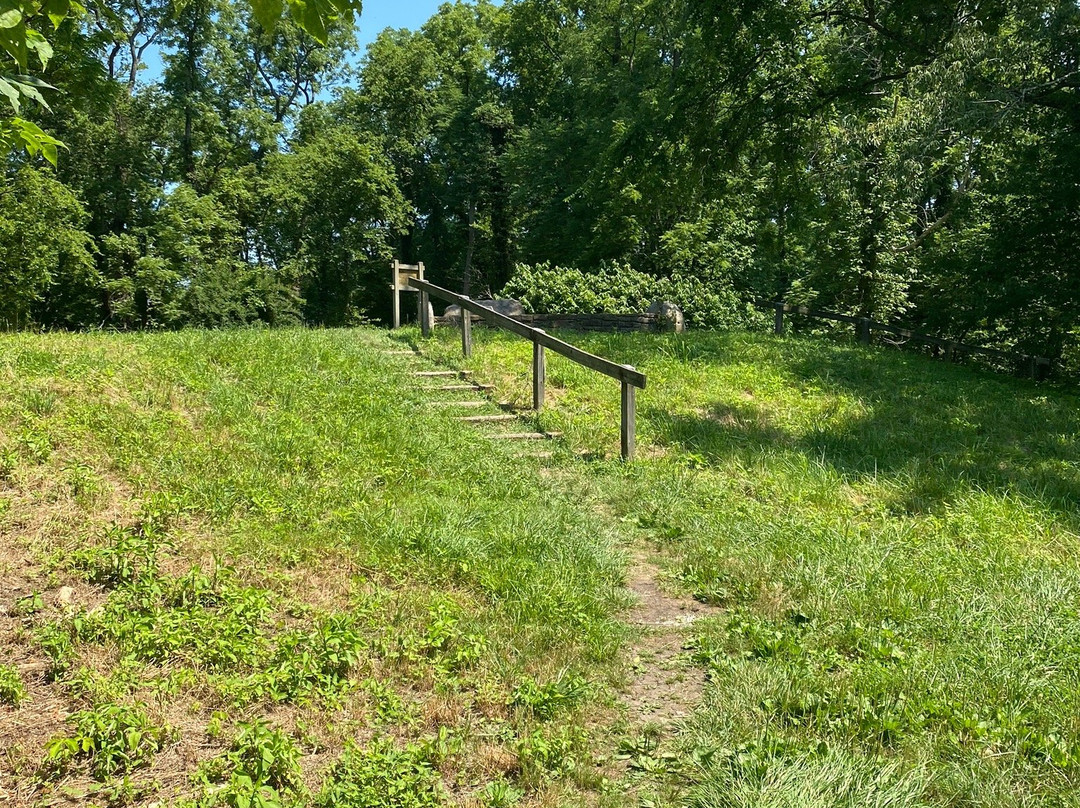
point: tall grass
(893, 545)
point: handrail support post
(539, 374)
(627, 427)
(778, 326)
(466, 331)
(425, 321)
(864, 330)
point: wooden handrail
(627, 375)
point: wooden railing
(1038, 367)
(628, 377)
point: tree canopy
(915, 161)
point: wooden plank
(485, 419)
(627, 427)
(463, 404)
(864, 330)
(425, 324)
(449, 388)
(624, 373)
(524, 435)
(435, 373)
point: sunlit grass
(891, 545)
(893, 542)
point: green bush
(618, 289)
(261, 768)
(613, 289)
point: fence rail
(1038, 367)
(630, 378)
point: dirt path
(664, 687)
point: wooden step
(525, 435)
(452, 388)
(485, 419)
(431, 373)
(459, 403)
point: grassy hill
(264, 563)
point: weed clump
(12, 689)
(261, 768)
(114, 738)
(383, 776)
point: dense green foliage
(905, 160)
(619, 289)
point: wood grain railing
(1038, 367)
(630, 378)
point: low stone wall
(578, 322)
(593, 322)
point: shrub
(261, 768)
(708, 302)
(613, 289)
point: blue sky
(376, 16)
(380, 14)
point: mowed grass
(893, 546)
(254, 568)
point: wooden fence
(628, 377)
(1038, 367)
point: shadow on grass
(935, 430)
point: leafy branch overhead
(23, 24)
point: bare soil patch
(664, 687)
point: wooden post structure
(864, 330)
(466, 331)
(778, 327)
(626, 428)
(402, 273)
(425, 323)
(397, 294)
(539, 374)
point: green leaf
(12, 93)
(30, 91)
(37, 43)
(57, 11)
(13, 40)
(308, 16)
(10, 18)
(268, 12)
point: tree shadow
(934, 430)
